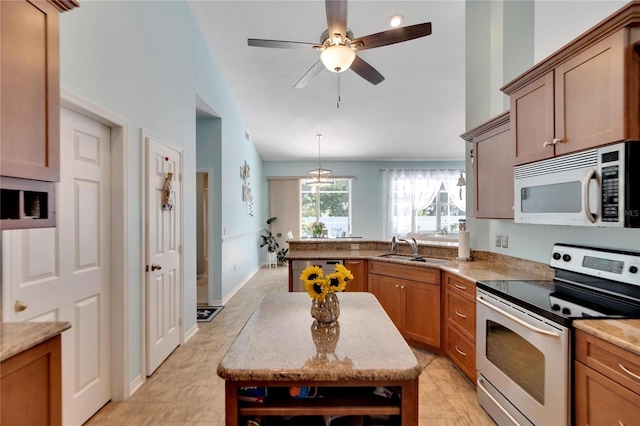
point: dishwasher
(297, 266)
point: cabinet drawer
(415, 273)
(601, 401)
(460, 286)
(461, 313)
(612, 361)
(462, 351)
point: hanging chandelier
(319, 176)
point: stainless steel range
(523, 330)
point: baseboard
(135, 384)
(239, 286)
(192, 331)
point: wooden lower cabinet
(606, 383)
(459, 318)
(358, 268)
(412, 304)
(31, 386)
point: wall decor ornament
(247, 197)
(167, 192)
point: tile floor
(185, 390)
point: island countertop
(16, 337)
(280, 343)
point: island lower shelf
(352, 398)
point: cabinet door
(532, 115)
(31, 386)
(601, 401)
(359, 271)
(461, 313)
(590, 96)
(494, 152)
(422, 312)
(29, 76)
(387, 291)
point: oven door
(523, 364)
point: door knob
(20, 306)
(155, 267)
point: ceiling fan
(338, 47)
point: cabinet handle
(557, 141)
(460, 352)
(401, 287)
(620, 423)
(397, 286)
(461, 287)
(635, 376)
(546, 144)
(460, 315)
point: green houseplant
(268, 239)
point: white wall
(146, 61)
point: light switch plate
(498, 240)
(505, 241)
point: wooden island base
(281, 347)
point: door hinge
(146, 269)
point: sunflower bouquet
(319, 285)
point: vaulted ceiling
(416, 113)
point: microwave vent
(558, 164)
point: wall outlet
(498, 240)
(505, 241)
(355, 246)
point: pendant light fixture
(319, 176)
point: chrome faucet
(413, 244)
(393, 244)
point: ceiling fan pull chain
(338, 104)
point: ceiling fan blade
(366, 71)
(336, 17)
(280, 44)
(393, 36)
(312, 72)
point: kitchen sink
(412, 258)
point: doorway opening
(202, 232)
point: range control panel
(610, 264)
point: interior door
(164, 250)
(63, 273)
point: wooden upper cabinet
(30, 83)
(493, 168)
(583, 96)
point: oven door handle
(516, 319)
(505, 412)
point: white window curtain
(450, 181)
(405, 191)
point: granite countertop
(624, 333)
(488, 266)
(280, 343)
(16, 337)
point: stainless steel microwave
(598, 187)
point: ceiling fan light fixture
(395, 21)
(337, 58)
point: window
(441, 215)
(329, 204)
(425, 201)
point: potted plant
(269, 240)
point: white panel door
(63, 273)
(164, 251)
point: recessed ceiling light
(395, 21)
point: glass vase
(327, 310)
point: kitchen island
(281, 346)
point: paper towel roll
(464, 251)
